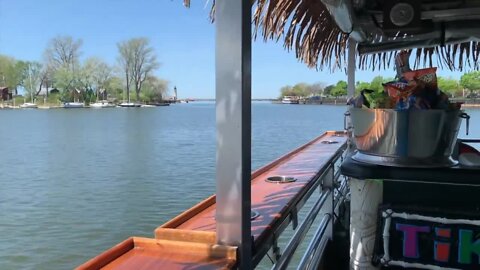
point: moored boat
(72, 105)
(129, 105)
(102, 104)
(159, 104)
(290, 100)
(29, 105)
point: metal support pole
(233, 111)
(352, 50)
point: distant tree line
(303, 90)
(89, 80)
(468, 86)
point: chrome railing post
(313, 254)
(300, 233)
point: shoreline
(473, 105)
(339, 102)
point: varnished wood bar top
(272, 200)
(188, 240)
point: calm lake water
(76, 182)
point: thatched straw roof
(307, 27)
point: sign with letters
(428, 239)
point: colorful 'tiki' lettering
(467, 247)
(410, 238)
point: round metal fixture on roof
(280, 179)
(402, 14)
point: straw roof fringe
(307, 27)
(458, 57)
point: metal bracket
(294, 218)
(328, 179)
(276, 250)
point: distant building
(51, 90)
(6, 93)
(77, 94)
(102, 94)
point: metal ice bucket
(421, 138)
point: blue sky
(183, 39)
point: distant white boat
(290, 100)
(129, 105)
(148, 106)
(71, 105)
(102, 104)
(29, 105)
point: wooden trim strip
(185, 235)
(196, 209)
(108, 256)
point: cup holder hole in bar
(280, 179)
(329, 142)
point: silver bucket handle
(466, 116)
(346, 126)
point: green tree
(94, 75)
(11, 72)
(359, 86)
(46, 79)
(102, 74)
(65, 79)
(286, 90)
(62, 57)
(328, 90)
(315, 89)
(340, 89)
(471, 81)
(88, 96)
(448, 85)
(154, 90)
(63, 52)
(32, 78)
(138, 60)
(54, 98)
(114, 87)
(377, 83)
(300, 89)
